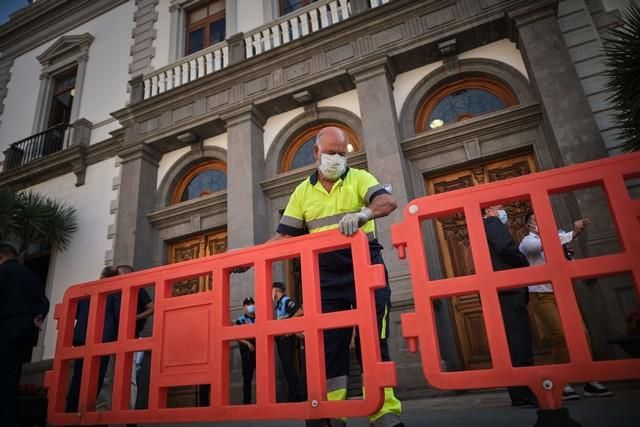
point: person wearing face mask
(336, 196)
(247, 349)
(543, 303)
(513, 302)
(285, 309)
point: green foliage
(623, 62)
(8, 211)
(28, 217)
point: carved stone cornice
(406, 31)
(42, 21)
(453, 136)
(533, 12)
(244, 113)
(64, 45)
(381, 66)
(182, 212)
(143, 151)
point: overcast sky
(10, 6)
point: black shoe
(595, 389)
(325, 422)
(525, 402)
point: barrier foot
(555, 418)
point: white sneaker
(569, 393)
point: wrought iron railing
(37, 146)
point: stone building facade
(190, 120)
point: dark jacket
(503, 250)
(21, 297)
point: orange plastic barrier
(192, 335)
(546, 381)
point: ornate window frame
(66, 53)
(497, 71)
(492, 86)
(197, 155)
(185, 180)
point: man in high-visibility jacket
(336, 196)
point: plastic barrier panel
(191, 338)
(546, 381)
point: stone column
(573, 137)
(247, 223)
(386, 161)
(381, 136)
(135, 237)
(569, 121)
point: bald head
(331, 140)
(332, 135)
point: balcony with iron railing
(37, 146)
(58, 150)
(305, 21)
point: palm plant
(29, 218)
(8, 212)
(623, 62)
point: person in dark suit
(505, 255)
(23, 306)
(110, 333)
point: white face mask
(502, 216)
(332, 166)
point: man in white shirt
(543, 303)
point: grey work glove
(350, 223)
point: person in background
(247, 348)
(285, 309)
(513, 302)
(144, 309)
(23, 307)
(79, 338)
(543, 303)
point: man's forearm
(278, 236)
(382, 205)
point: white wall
(219, 141)
(502, 50)
(105, 89)
(405, 83)
(249, 15)
(167, 160)
(347, 101)
(105, 85)
(84, 258)
(163, 35)
(275, 124)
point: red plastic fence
(191, 337)
(546, 381)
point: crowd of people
(334, 196)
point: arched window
(300, 151)
(202, 179)
(462, 100)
